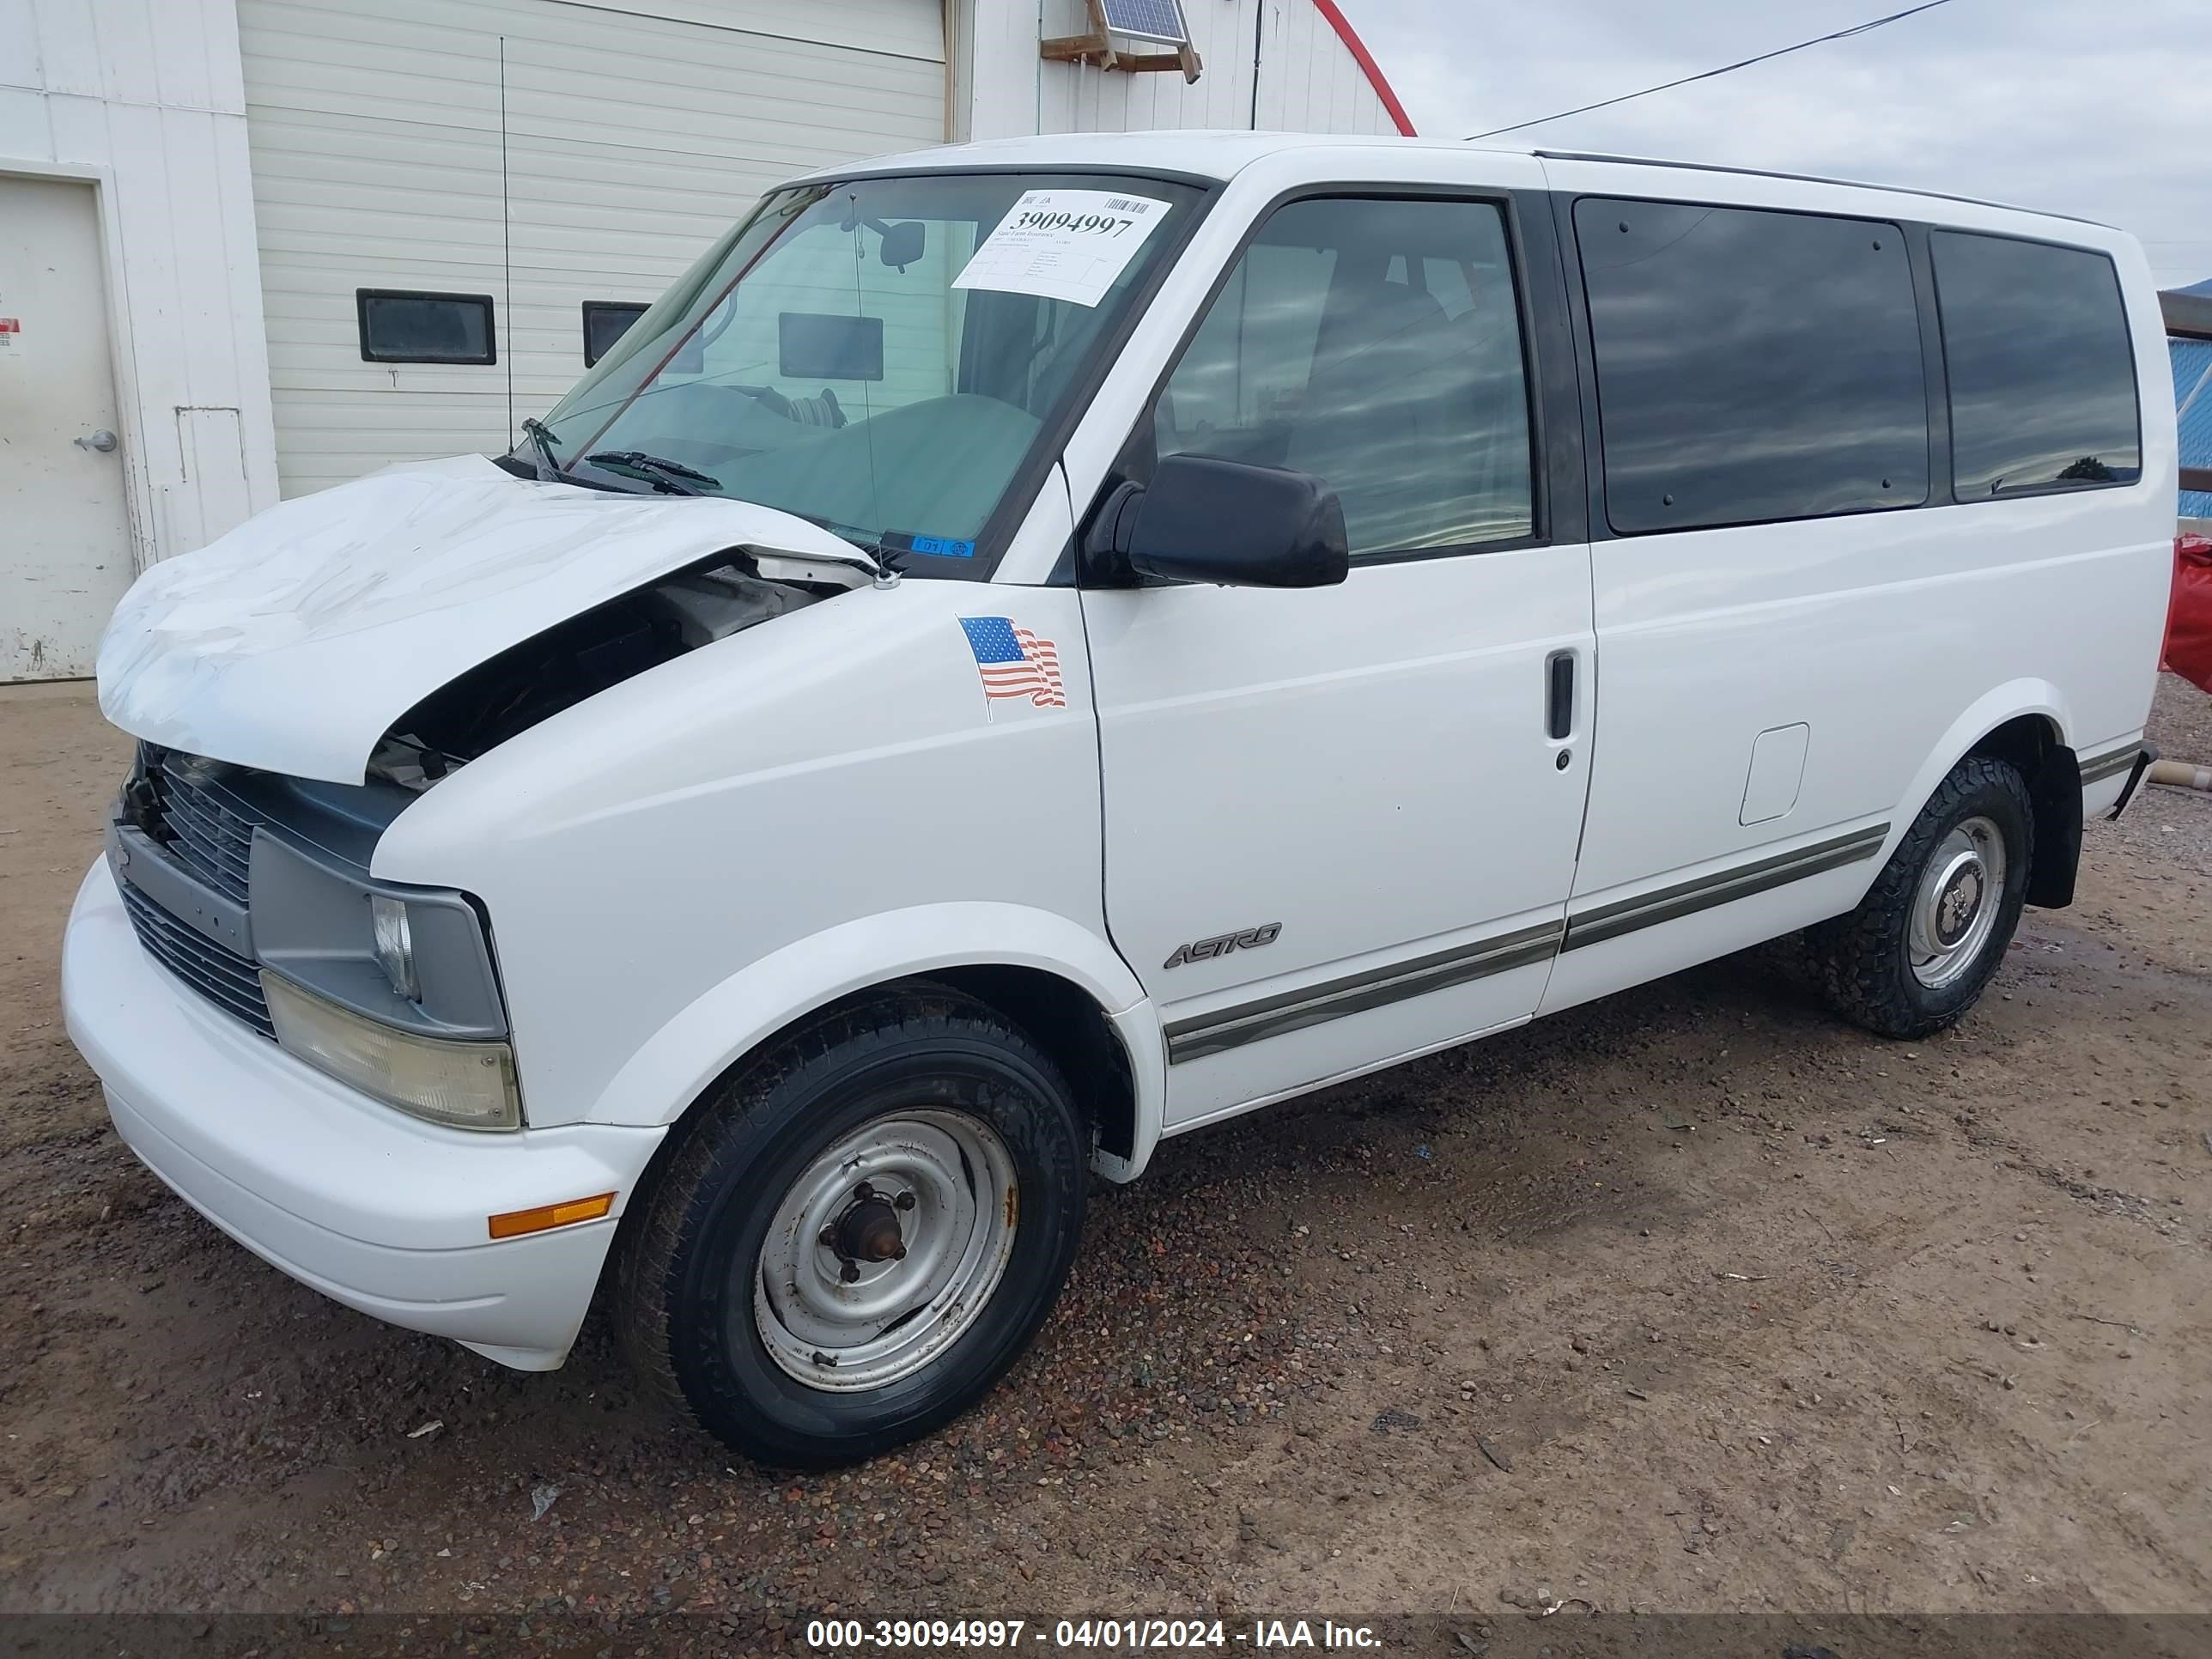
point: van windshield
(879, 355)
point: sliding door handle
(1559, 696)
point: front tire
(1931, 933)
(858, 1233)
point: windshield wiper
(542, 440)
(671, 476)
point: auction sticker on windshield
(1063, 244)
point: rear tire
(1925, 941)
(859, 1232)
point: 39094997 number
(851, 1635)
(1094, 224)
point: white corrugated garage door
(544, 153)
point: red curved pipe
(1358, 47)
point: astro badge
(1013, 662)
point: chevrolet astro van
(1038, 647)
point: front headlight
(463, 1085)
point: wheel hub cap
(1961, 899)
(884, 1250)
(1955, 905)
(869, 1231)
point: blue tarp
(2192, 390)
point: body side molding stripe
(2096, 767)
(1289, 1011)
(1201, 1035)
(1606, 921)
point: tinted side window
(1376, 345)
(1751, 365)
(2042, 379)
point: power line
(1707, 74)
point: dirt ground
(1694, 1299)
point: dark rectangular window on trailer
(1751, 365)
(2043, 377)
(606, 321)
(821, 345)
(403, 326)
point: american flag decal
(1014, 662)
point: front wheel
(859, 1234)
(1932, 931)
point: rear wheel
(859, 1234)
(1932, 931)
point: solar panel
(1146, 20)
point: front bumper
(372, 1207)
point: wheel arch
(1062, 984)
(2026, 723)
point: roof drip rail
(1811, 178)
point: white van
(1033, 648)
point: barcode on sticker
(1123, 204)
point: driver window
(1378, 345)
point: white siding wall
(1309, 81)
(143, 97)
(634, 135)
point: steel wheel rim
(837, 1314)
(1956, 902)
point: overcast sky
(2102, 110)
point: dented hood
(293, 643)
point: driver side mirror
(1230, 523)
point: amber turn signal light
(517, 1222)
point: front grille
(216, 972)
(210, 835)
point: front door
(1340, 822)
(65, 551)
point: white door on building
(64, 531)
(511, 179)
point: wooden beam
(1084, 48)
(1151, 61)
(1078, 49)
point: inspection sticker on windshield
(1063, 244)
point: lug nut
(904, 1201)
(899, 1254)
(850, 1272)
(828, 1238)
(864, 1192)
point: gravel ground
(1693, 1299)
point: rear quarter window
(1751, 365)
(2041, 372)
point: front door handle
(1559, 696)
(103, 440)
